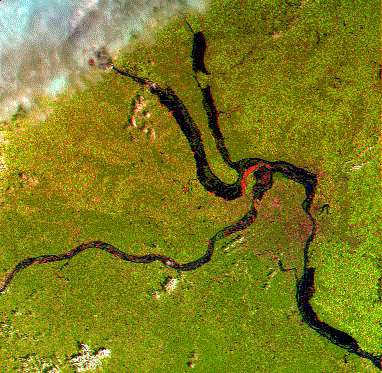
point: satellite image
(190, 186)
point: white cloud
(43, 40)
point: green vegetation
(296, 83)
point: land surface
(300, 84)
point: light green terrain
(299, 80)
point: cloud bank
(45, 43)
